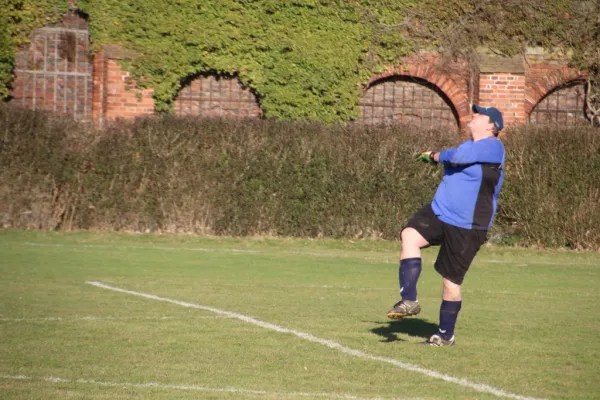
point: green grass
(529, 323)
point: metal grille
(55, 72)
(564, 105)
(407, 100)
(208, 95)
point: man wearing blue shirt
(457, 219)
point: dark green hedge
(230, 177)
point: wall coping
(117, 52)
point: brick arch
(216, 96)
(564, 104)
(456, 91)
(539, 86)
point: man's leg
(412, 243)
(454, 259)
(410, 263)
(408, 274)
(451, 304)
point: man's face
(480, 124)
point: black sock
(448, 315)
(408, 275)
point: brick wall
(564, 105)
(547, 72)
(122, 97)
(407, 100)
(212, 96)
(449, 81)
(56, 72)
(505, 92)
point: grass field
(282, 318)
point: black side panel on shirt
(484, 207)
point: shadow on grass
(409, 326)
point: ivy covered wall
(303, 59)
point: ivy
(305, 59)
(17, 19)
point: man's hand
(426, 156)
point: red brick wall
(216, 97)
(452, 80)
(52, 74)
(505, 92)
(115, 93)
(122, 98)
(546, 72)
(562, 106)
(99, 88)
(407, 100)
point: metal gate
(216, 96)
(564, 105)
(407, 100)
(55, 72)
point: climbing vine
(306, 59)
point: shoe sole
(436, 345)
(392, 315)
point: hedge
(264, 177)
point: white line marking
(92, 318)
(54, 379)
(328, 343)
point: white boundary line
(306, 253)
(328, 343)
(201, 388)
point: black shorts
(458, 245)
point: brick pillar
(123, 98)
(115, 93)
(506, 92)
(99, 87)
(502, 85)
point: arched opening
(407, 100)
(54, 72)
(216, 96)
(563, 105)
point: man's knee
(452, 291)
(410, 237)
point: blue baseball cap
(494, 114)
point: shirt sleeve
(483, 151)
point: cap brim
(477, 109)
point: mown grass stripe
(328, 343)
(101, 319)
(289, 252)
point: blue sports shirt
(467, 197)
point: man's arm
(431, 157)
(473, 152)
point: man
(457, 219)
